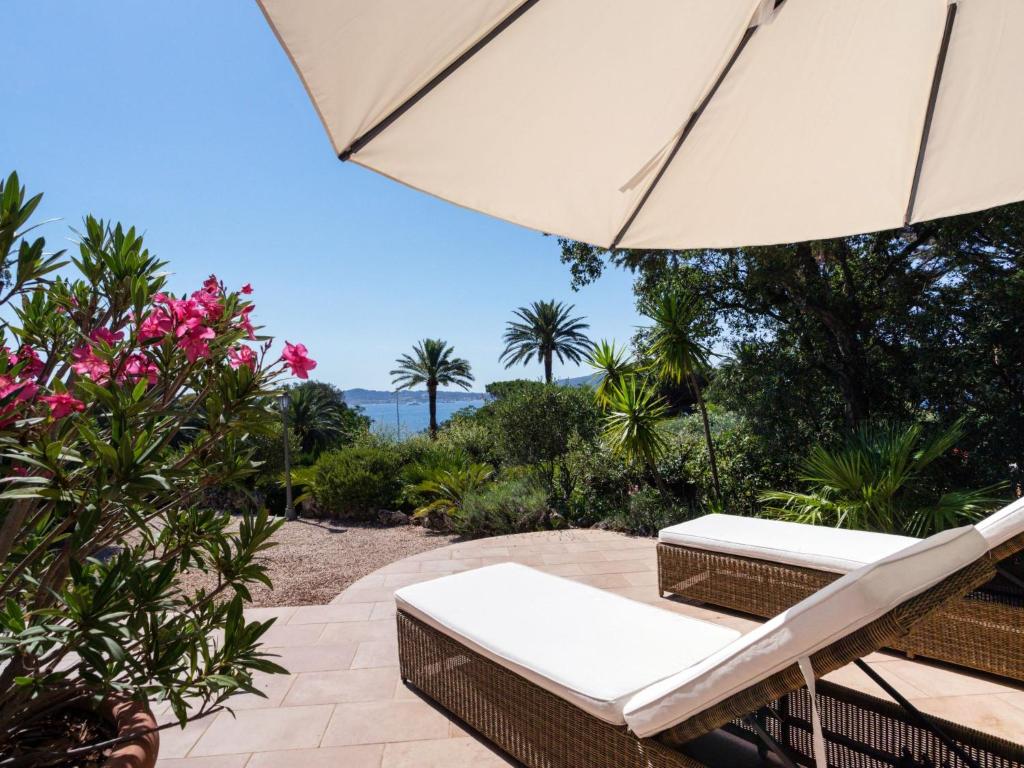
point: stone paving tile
(451, 566)
(619, 566)
(343, 685)
(396, 580)
(315, 658)
(383, 611)
(368, 595)
(327, 614)
(262, 730)
(603, 580)
(987, 713)
(935, 680)
(292, 634)
(216, 761)
(643, 579)
(175, 741)
(358, 631)
(402, 566)
(282, 613)
(452, 753)
(632, 553)
(378, 722)
(274, 687)
(564, 569)
(364, 756)
(562, 558)
(376, 653)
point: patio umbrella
(675, 123)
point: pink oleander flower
(107, 336)
(17, 391)
(296, 358)
(62, 404)
(194, 343)
(89, 365)
(156, 325)
(33, 365)
(138, 367)
(246, 289)
(209, 303)
(242, 355)
(245, 323)
(212, 285)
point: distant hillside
(359, 396)
(589, 380)
(366, 396)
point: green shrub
(648, 511)
(358, 481)
(600, 483)
(506, 506)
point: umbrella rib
(687, 129)
(435, 81)
(933, 96)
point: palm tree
(432, 364)
(612, 364)
(877, 482)
(545, 330)
(680, 357)
(634, 412)
(317, 419)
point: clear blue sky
(186, 119)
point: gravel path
(315, 560)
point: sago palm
(877, 482)
(680, 357)
(632, 424)
(445, 484)
(432, 363)
(612, 364)
(543, 331)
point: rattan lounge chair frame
(983, 631)
(541, 730)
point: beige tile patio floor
(344, 706)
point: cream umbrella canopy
(675, 123)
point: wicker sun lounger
(560, 675)
(762, 567)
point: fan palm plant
(877, 482)
(633, 416)
(545, 330)
(317, 419)
(680, 357)
(432, 363)
(612, 364)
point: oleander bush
(121, 407)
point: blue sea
(411, 417)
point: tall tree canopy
(923, 321)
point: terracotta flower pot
(132, 717)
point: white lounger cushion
(1001, 526)
(838, 550)
(847, 604)
(593, 648)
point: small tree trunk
(707, 435)
(547, 367)
(432, 397)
